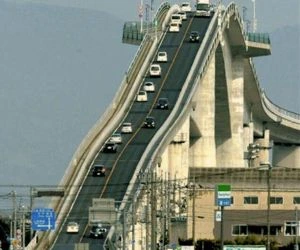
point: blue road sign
(43, 219)
(225, 202)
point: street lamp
(267, 166)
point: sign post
(43, 219)
(223, 199)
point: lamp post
(267, 166)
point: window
(276, 200)
(296, 200)
(239, 230)
(250, 200)
(232, 200)
(290, 228)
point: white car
(126, 128)
(155, 70)
(149, 86)
(142, 96)
(176, 18)
(185, 6)
(174, 27)
(183, 15)
(72, 227)
(116, 138)
(162, 56)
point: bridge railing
(279, 110)
(269, 105)
(259, 37)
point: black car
(149, 122)
(110, 147)
(97, 232)
(99, 170)
(162, 103)
(194, 36)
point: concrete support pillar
(230, 152)
(202, 141)
(264, 148)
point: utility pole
(297, 229)
(14, 217)
(153, 210)
(147, 211)
(193, 212)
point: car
(162, 56)
(149, 122)
(142, 96)
(110, 147)
(155, 70)
(99, 170)
(176, 18)
(149, 86)
(174, 27)
(162, 103)
(116, 138)
(72, 227)
(194, 36)
(126, 128)
(183, 15)
(97, 232)
(186, 6)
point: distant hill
(279, 73)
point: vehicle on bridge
(183, 15)
(174, 27)
(176, 18)
(149, 86)
(142, 96)
(155, 70)
(162, 56)
(110, 147)
(186, 6)
(99, 170)
(194, 36)
(149, 122)
(72, 227)
(116, 138)
(162, 103)
(203, 8)
(97, 232)
(126, 128)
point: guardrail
(259, 37)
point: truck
(203, 8)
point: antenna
(254, 17)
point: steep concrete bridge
(218, 114)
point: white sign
(218, 216)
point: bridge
(217, 114)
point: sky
(266, 10)
(58, 75)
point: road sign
(218, 216)
(223, 195)
(43, 219)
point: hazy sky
(271, 14)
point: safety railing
(259, 38)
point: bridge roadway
(121, 165)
